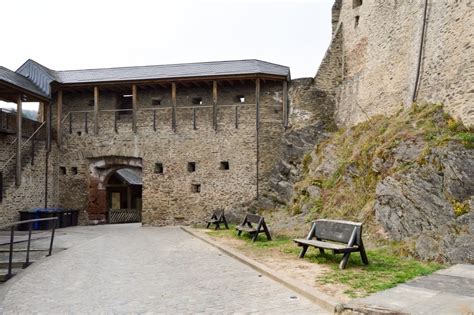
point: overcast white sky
(65, 35)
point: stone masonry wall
(168, 197)
(31, 193)
(380, 48)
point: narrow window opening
(191, 167)
(356, 3)
(62, 170)
(197, 100)
(239, 99)
(158, 168)
(224, 165)
(74, 170)
(90, 103)
(196, 188)
(1, 187)
(79, 133)
(356, 21)
(156, 102)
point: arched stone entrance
(101, 169)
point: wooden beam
(285, 104)
(134, 107)
(19, 116)
(59, 117)
(214, 105)
(173, 104)
(96, 110)
(41, 112)
(257, 125)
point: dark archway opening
(124, 196)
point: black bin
(74, 217)
(28, 215)
(48, 213)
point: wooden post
(285, 104)
(96, 110)
(41, 112)
(59, 104)
(173, 104)
(214, 105)
(48, 126)
(19, 141)
(257, 126)
(129, 197)
(134, 106)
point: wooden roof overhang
(165, 83)
(9, 93)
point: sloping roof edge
(20, 82)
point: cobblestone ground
(147, 270)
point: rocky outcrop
(409, 177)
(420, 203)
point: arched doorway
(104, 172)
(124, 195)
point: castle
(175, 142)
(172, 142)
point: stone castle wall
(168, 197)
(372, 61)
(31, 193)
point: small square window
(158, 168)
(239, 99)
(196, 188)
(91, 103)
(62, 170)
(224, 165)
(74, 170)
(156, 102)
(356, 3)
(191, 167)
(356, 21)
(197, 100)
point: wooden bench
(246, 226)
(339, 236)
(217, 218)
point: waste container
(28, 215)
(48, 213)
(65, 218)
(74, 217)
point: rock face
(419, 203)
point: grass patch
(385, 269)
(383, 272)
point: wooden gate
(124, 216)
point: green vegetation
(365, 155)
(385, 270)
(460, 208)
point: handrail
(12, 238)
(2, 227)
(22, 145)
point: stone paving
(448, 291)
(129, 269)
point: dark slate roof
(20, 81)
(38, 74)
(173, 71)
(38, 78)
(131, 176)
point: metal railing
(67, 120)
(22, 145)
(12, 226)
